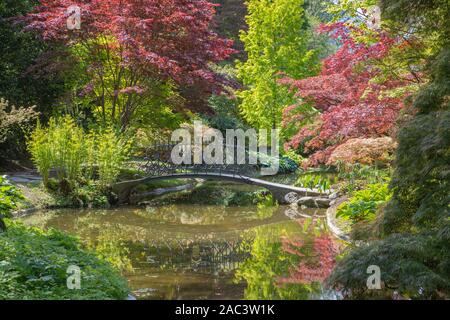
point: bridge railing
(158, 162)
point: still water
(195, 251)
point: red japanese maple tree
(130, 42)
(350, 103)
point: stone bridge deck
(281, 192)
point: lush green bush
(9, 196)
(315, 181)
(285, 164)
(59, 146)
(33, 265)
(415, 266)
(111, 153)
(226, 113)
(364, 203)
(291, 154)
(356, 176)
(77, 155)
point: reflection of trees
(269, 262)
(130, 246)
(203, 214)
(316, 254)
(138, 241)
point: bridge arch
(279, 191)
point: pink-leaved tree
(353, 96)
(128, 49)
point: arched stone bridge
(158, 166)
(279, 191)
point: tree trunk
(2, 225)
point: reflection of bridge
(203, 256)
(159, 167)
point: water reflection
(193, 251)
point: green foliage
(226, 113)
(356, 176)
(11, 117)
(315, 181)
(34, 263)
(421, 182)
(276, 42)
(111, 153)
(416, 266)
(434, 95)
(59, 147)
(269, 262)
(285, 163)
(25, 79)
(364, 203)
(87, 195)
(9, 197)
(413, 253)
(86, 164)
(291, 154)
(75, 155)
(427, 20)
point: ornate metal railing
(158, 162)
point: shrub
(314, 181)
(291, 154)
(60, 146)
(365, 151)
(285, 164)
(9, 196)
(34, 266)
(112, 151)
(226, 113)
(75, 154)
(409, 264)
(11, 116)
(90, 194)
(364, 203)
(356, 176)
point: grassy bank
(34, 265)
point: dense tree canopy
(413, 253)
(351, 93)
(19, 82)
(23, 80)
(276, 43)
(131, 49)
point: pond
(195, 251)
